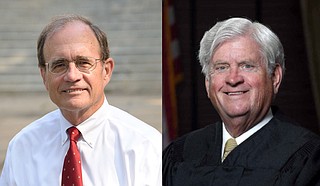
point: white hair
(270, 46)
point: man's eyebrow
(248, 61)
(219, 62)
(58, 59)
(74, 58)
(238, 62)
(81, 57)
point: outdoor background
(133, 28)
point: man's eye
(248, 67)
(84, 63)
(58, 64)
(220, 68)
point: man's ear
(108, 69)
(44, 76)
(277, 78)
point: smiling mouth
(235, 93)
(73, 90)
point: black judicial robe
(280, 154)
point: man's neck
(237, 126)
(77, 116)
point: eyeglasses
(83, 64)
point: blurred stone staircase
(132, 26)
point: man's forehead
(73, 39)
(75, 31)
(237, 49)
(70, 28)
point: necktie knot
(74, 134)
(230, 145)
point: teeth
(69, 91)
(235, 93)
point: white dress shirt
(116, 149)
(247, 134)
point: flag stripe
(171, 70)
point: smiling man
(243, 64)
(86, 141)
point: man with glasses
(86, 141)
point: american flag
(171, 72)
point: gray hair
(58, 23)
(270, 46)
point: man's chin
(72, 105)
(237, 114)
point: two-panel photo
(160, 93)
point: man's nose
(234, 77)
(73, 73)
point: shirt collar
(64, 125)
(89, 128)
(254, 129)
(247, 134)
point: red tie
(71, 173)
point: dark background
(194, 17)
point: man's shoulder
(289, 129)
(286, 137)
(37, 127)
(122, 116)
(130, 127)
(194, 144)
(203, 135)
(129, 121)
